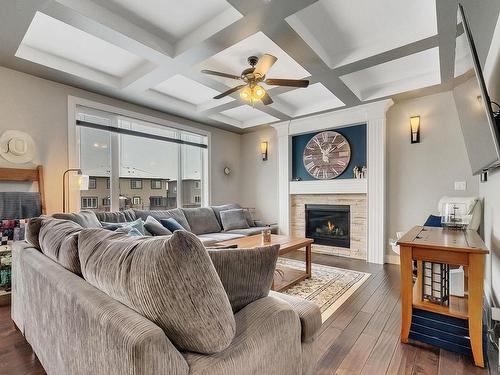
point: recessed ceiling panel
(248, 116)
(233, 60)
(188, 90)
(176, 19)
(407, 73)
(60, 46)
(303, 101)
(344, 31)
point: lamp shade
(79, 182)
(415, 129)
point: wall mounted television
(480, 126)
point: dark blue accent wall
(355, 135)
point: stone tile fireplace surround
(358, 221)
(365, 197)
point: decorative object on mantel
(297, 179)
(359, 172)
(227, 171)
(17, 147)
(326, 155)
(263, 150)
(415, 129)
(81, 183)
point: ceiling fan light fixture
(258, 92)
(246, 93)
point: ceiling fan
(251, 90)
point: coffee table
(290, 276)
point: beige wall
(259, 179)
(418, 175)
(40, 107)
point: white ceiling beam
(446, 11)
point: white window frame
(74, 149)
(92, 199)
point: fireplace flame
(330, 226)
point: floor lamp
(82, 183)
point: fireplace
(329, 224)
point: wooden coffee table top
(286, 243)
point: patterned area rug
(329, 287)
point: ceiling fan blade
(287, 82)
(266, 99)
(229, 92)
(220, 74)
(264, 64)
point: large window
(138, 164)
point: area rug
(328, 287)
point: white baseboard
(391, 258)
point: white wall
(40, 108)
(420, 174)
(259, 179)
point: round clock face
(326, 155)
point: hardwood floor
(361, 337)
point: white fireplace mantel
(374, 116)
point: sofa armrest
(75, 328)
(309, 314)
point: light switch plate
(460, 185)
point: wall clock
(326, 155)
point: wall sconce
(263, 150)
(415, 129)
(78, 182)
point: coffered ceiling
(151, 52)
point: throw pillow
(247, 274)
(170, 280)
(137, 224)
(250, 220)
(234, 219)
(154, 227)
(171, 224)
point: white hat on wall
(17, 147)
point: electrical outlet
(460, 185)
(495, 313)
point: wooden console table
(454, 247)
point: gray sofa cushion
(87, 219)
(217, 209)
(175, 213)
(126, 226)
(59, 241)
(309, 314)
(33, 230)
(117, 216)
(266, 343)
(170, 280)
(202, 220)
(154, 227)
(250, 220)
(247, 274)
(233, 219)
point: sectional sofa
(72, 303)
(204, 222)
